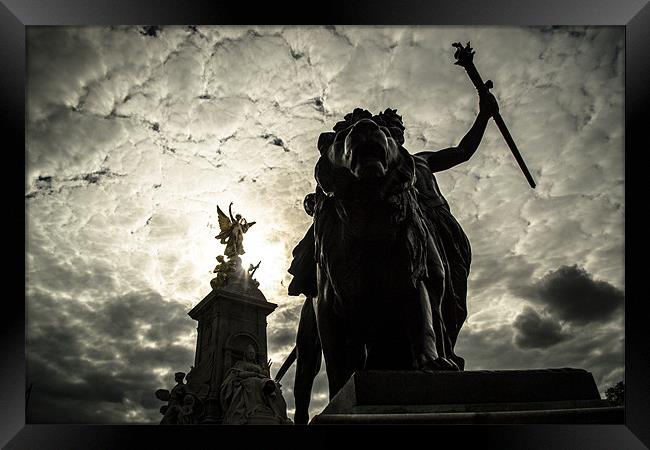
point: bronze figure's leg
(423, 335)
(308, 360)
(454, 312)
(434, 290)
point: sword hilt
(465, 58)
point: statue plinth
(500, 396)
(230, 319)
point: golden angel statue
(232, 232)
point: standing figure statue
(232, 232)
(249, 396)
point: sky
(136, 134)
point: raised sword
(465, 58)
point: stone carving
(249, 396)
(183, 405)
(190, 410)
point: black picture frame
(15, 15)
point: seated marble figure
(249, 396)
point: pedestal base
(503, 396)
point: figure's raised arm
(232, 219)
(449, 157)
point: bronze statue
(251, 272)
(375, 202)
(223, 269)
(232, 232)
(249, 396)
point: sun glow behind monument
(261, 247)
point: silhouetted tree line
(616, 394)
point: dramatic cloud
(596, 348)
(535, 331)
(571, 294)
(564, 335)
(135, 134)
(104, 360)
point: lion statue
(384, 265)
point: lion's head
(368, 180)
(363, 150)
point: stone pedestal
(229, 319)
(502, 396)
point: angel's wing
(224, 224)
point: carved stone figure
(249, 396)
(174, 399)
(376, 203)
(183, 403)
(190, 410)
